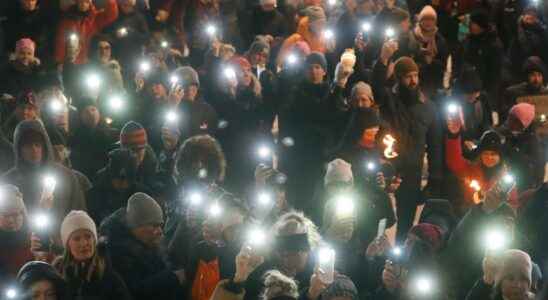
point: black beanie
(481, 18)
(316, 58)
(35, 271)
(469, 81)
(491, 141)
(534, 64)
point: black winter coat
(109, 287)
(529, 41)
(143, 269)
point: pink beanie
(524, 112)
(25, 43)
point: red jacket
(85, 26)
(467, 171)
(15, 251)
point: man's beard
(409, 94)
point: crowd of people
(273, 150)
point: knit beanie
(338, 170)
(259, 46)
(11, 199)
(361, 87)
(315, 14)
(405, 65)
(428, 12)
(491, 141)
(469, 82)
(342, 286)
(515, 263)
(367, 118)
(399, 15)
(133, 135)
(188, 76)
(279, 286)
(75, 220)
(524, 112)
(25, 43)
(534, 64)
(121, 165)
(143, 210)
(430, 234)
(481, 18)
(316, 58)
(35, 271)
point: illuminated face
(24, 56)
(315, 73)
(190, 92)
(259, 58)
(60, 153)
(12, 220)
(369, 135)
(515, 286)
(159, 91)
(81, 245)
(83, 5)
(411, 80)
(43, 290)
(29, 5)
(32, 152)
(428, 24)
(26, 112)
(529, 19)
(489, 158)
(405, 25)
(362, 100)
(105, 52)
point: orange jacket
(85, 27)
(315, 42)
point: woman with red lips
(85, 270)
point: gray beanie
(188, 76)
(342, 286)
(338, 170)
(361, 86)
(143, 210)
(11, 199)
(314, 14)
(259, 46)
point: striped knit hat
(133, 135)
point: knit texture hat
(490, 140)
(143, 210)
(524, 112)
(514, 263)
(133, 135)
(75, 220)
(342, 286)
(35, 271)
(338, 170)
(259, 46)
(316, 58)
(11, 199)
(315, 14)
(428, 12)
(188, 76)
(405, 65)
(430, 234)
(277, 285)
(361, 87)
(399, 15)
(534, 64)
(25, 43)
(481, 18)
(367, 118)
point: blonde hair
(277, 284)
(295, 222)
(68, 267)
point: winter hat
(361, 87)
(27, 98)
(481, 18)
(133, 135)
(316, 58)
(430, 234)
(342, 286)
(367, 118)
(278, 286)
(240, 62)
(405, 65)
(188, 76)
(428, 12)
(75, 220)
(514, 262)
(25, 43)
(469, 81)
(338, 170)
(143, 210)
(490, 140)
(534, 64)
(524, 112)
(11, 199)
(35, 271)
(259, 46)
(295, 232)
(399, 15)
(121, 164)
(315, 14)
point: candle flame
(389, 141)
(474, 184)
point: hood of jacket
(22, 130)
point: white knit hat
(11, 199)
(76, 219)
(428, 11)
(338, 170)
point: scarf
(427, 39)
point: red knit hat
(133, 136)
(429, 233)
